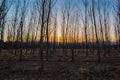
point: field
(59, 66)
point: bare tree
(117, 26)
(96, 33)
(3, 12)
(21, 26)
(85, 2)
(106, 28)
(47, 26)
(15, 21)
(101, 26)
(55, 31)
(41, 9)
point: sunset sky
(77, 6)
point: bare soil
(60, 67)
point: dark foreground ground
(81, 69)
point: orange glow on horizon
(59, 37)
